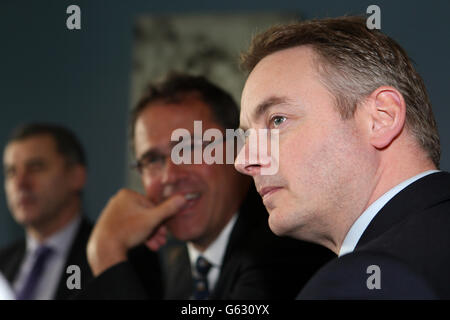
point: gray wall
(82, 79)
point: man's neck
(203, 245)
(390, 177)
(46, 229)
(383, 187)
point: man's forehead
(159, 116)
(276, 77)
(155, 126)
(38, 146)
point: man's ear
(387, 115)
(78, 177)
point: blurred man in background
(45, 173)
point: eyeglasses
(153, 162)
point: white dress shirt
(360, 225)
(214, 253)
(6, 292)
(60, 242)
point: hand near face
(157, 239)
(128, 219)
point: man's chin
(182, 232)
(184, 236)
(25, 218)
(277, 225)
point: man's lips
(268, 191)
(192, 198)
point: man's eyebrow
(149, 153)
(35, 160)
(156, 151)
(264, 106)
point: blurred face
(37, 180)
(215, 191)
(322, 159)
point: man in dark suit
(227, 250)
(358, 157)
(45, 172)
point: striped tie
(202, 267)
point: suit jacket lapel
(229, 264)
(76, 256)
(249, 216)
(415, 198)
(11, 267)
(178, 277)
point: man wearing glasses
(227, 250)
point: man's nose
(21, 180)
(172, 172)
(255, 158)
(247, 161)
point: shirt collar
(216, 251)
(360, 225)
(60, 241)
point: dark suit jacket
(257, 265)
(410, 236)
(12, 256)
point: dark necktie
(202, 267)
(32, 280)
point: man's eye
(277, 120)
(9, 172)
(154, 159)
(36, 166)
